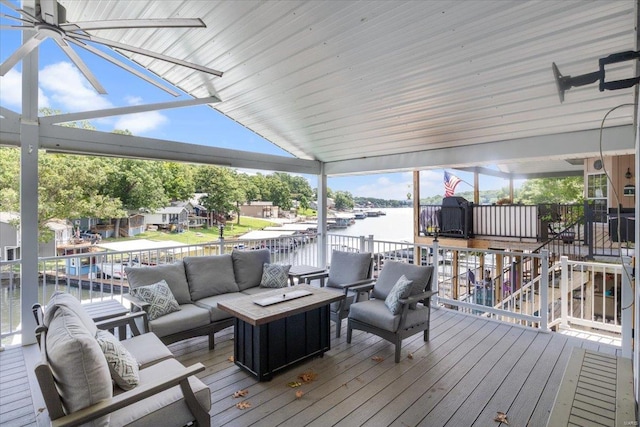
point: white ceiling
(366, 86)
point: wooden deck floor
(471, 368)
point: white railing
(508, 286)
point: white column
(322, 218)
(29, 144)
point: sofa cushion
(147, 349)
(210, 275)
(123, 366)
(66, 300)
(348, 267)
(166, 408)
(190, 316)
(275, 276)
(77, 363)
(211, 304)
(391, 272)
(375, 313)
(173, 274)
(400, 290)
(159, 296)
(247, 266)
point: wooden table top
(302, 270)
(247, 310)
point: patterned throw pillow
(122, 365)
(400, 290)
(275, 276)
(159, 296)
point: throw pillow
(159, 296)
(400, 290)
(275, 276)
(122, 365)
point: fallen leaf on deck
(345, 385)
(240, 393)
(501, 417)
(377, 358)
(294, 384)
(307, 377)
(243, 405)
(230, 359)
(410, 356)
(299, 394)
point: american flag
(450, 183)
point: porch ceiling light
(564, 83)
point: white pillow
(122, 365)
(400, 290)
(275, 276)
(159, 296)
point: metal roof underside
(392, 85)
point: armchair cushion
(247, 266)
(77, 363)
(210, 275)
(173, 274)
(122, 365)
(375, 313)
(348, 267)
(65, 300)
(275, 276)
(400, 290)
(392, 270)
(159, 296)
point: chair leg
(398, 349)
(338, 327)
(426, 334)
(211, 340)
(349, 331)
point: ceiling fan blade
(49, 11)
(81, 66)
(15, 18)
(20, 53)
(122, 65)
(134, 23)
(149, 53)
(15, 27)
(17, 9)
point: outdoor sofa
(197, 284)
(88, 377)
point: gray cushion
(400, 290)
(275, 276)
(247, 266)
(147, 349)
(211, 304)
(160, 298)
(210, 275)
(173, 274)
(391, 272)
(78, 365)
(375, 313)
(348, 267)
(189, 316)
(68, 301)
(166, 408)
(122, 365)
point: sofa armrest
(172, 378)
(137, 303)
(417, 298)
(126, 320)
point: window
(597, 195)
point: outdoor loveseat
(88, 377)
(197, 284)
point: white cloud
(140, 123)
(11, 91)
(384, 187)
(69, 90)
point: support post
(626, 306)
(322, 217)
(564, 291)
(544, 291)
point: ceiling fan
(49, 21)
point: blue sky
(64, 88)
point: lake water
(396, 225)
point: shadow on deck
(471, 369)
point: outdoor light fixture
(628, 173)
(564, 83)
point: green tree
(138, 184)
(178, 180)
(343, 200)
(221, 187)
(551, 190)
(279, 193)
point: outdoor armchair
(348, 269)
(399, 306)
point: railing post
(626, 308)
(588, 228)
(221, 246)
(544, 291)
(564, 290)
(434, 279)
